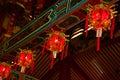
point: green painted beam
(17, 74)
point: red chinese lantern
(25, 59)
(56, 43)
(100, 18)
(4, 70)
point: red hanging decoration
(4, 70)
(56, 43)
(101, 18)
(25, 59)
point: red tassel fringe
(52, 61)
(112, 28)
(98, 44)
(21, 76)
(62, 55)
(44, 46)
(32, 66)
(66, 52)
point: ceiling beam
(29, 31)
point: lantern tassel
(9, 77)
(32, 66)
(112, 27)
(21, 76)
(22, 72)
(98, 35)
(98, 43)
(52, 60)
(54, 54)
(1, 78)
(86, 26)
(66, 52)
(43, 48)
(23, 69)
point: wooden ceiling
(83, 61)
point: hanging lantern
(4, 70)
(56, 43)
(100, 18)
(25, 59)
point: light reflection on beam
(80, 32)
